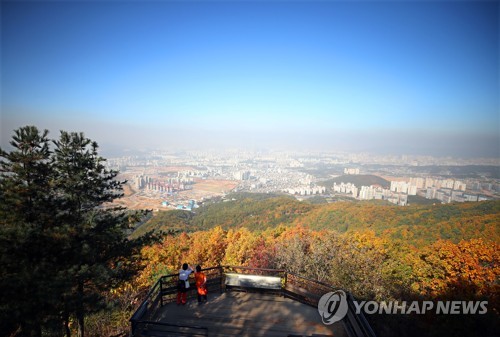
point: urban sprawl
(183, 180)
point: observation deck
(244, 302)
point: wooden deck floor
(250, 314)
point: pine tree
(63, 244)
(27, 294)
(101, 255)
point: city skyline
(383, 77)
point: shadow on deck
(248, 315)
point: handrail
(258, 269)
(356, 324)
(174, 325)
(146, 306)
(317, 282)
(360, 318)
(177, 274)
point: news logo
(332, 307)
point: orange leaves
(207, 248)
(241, 244)
(369, 265)
(469, 268)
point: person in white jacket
(183, 283)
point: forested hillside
(417, 224)
(370, 266)
(375, 250)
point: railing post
(221, 279)
(161, 292)
(285, 279)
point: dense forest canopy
(418, 225)
(373, 249)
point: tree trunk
(67, 331)
(80, 315)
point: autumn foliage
(368, 265)
(467, 270)
(375, 251)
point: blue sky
(382, 76)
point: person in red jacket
(201, 284)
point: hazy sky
(384, 76)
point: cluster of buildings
(353, 171)
(444, 190)
(447, 195)
(242, 175)
(403, 187)
(413, 185)
(302, 174)
(423, 183)
(191, 204)
(449, 190)
(344, 188)
(168, 185)
(270, 178)
(371, 192)
(306, 191)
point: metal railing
(168, 284)
(296, 287)
(310, 291)
(150, 328)
(148, 308)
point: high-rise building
(353, 171)
(412, 190)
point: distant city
(184, 180)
